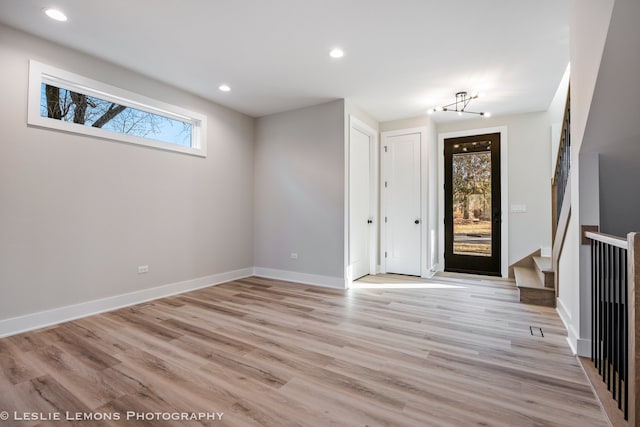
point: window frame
(42, 73)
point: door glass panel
(472, 198)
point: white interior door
(360, 209)
(402, 187)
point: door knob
(369, 221)
(417, 221)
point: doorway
(472, 204)
(362, 199)
(402, 202)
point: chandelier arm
(461, 103)
(449, 105)
(466, 102)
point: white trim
(584, 347)
(29, 322)
(39, 73)
(345, 238)
(504, 191)
(425, 250)
(430, 274)
(297, 277)
(424, 226)
(359, 125)
(565, 317)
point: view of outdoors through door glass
(472, 198)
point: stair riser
(544, 271)
(537, 297)
(546, 278)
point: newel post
(633, 302)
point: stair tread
(527, 278)
(543, 263)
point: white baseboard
(307, 279)
(565, 316)
(429, 274)
(29, 322)
(584, 347)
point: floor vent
(142, 306)
(536, 332)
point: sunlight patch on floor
(359, 284)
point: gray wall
(590, 20)
(619, 179)
(300, 190)
(612, 128)
(79, 214)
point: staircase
(536, 282)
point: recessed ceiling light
(224, 88)
(55, 14)
(336, 53)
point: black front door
(472, 204)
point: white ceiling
(402, 56)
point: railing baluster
(594, 267)
(612, 331)
(605, 326)
(607, 295)
(622, 263)
(614, 321)
(600, 308)
(615, 326)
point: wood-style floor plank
(392, 351)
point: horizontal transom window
(65, 101)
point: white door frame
(424, 255)
(504, 192)
(359, 125)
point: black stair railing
(615, 319)
(563, 164)
(609, 315)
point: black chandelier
(460, 105)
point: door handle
(369, 221)
(417, 221)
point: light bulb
(336, 53)
(55, 14)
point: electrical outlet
(143, 269)
(294, 255)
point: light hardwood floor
(441, 352)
